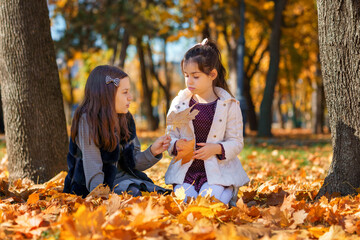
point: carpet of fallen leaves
(286, 173)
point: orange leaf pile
(278, 203)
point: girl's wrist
(218, 149)
(153, 151)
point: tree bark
(271, 78)
(36, 138)
(147, 91)
(339, 40)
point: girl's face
(197, 81)
(123, 96)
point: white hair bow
(203, 42)
(109, 79)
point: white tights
(222, 193)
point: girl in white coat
(217, 129)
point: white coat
(226, 128)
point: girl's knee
(213, 190)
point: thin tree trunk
(155, 74)
(71, 92)
(271, 78)
(251, 114)
(231, 49)
(290, 79)
(252, 117)
(115, 48)
(277, 106)
(36, 138)
(339, 42)
(124, 46)
(167, 80)
(147, 91)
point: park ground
(286, 173)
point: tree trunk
(277, 107)
(167, 80)
(271, 78)
(36, 138)
(155, 74)
(70, 104)
(339, 40)
(124, 46)
(251, 114)
(318, 106)
(147, 92)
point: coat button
(178, 107)
(214, 136)
(220, 120)
(224, 104)
(183, 103)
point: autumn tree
(339, 33)
(272, 74)
(36, 138)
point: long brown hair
(106, 127)
(208, 57)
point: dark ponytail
(208, 57)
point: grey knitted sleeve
(145, 159)
(91, 157)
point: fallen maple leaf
(187, 150)
(299, 216)
(100, 191)
(181, 118)
(33, 198)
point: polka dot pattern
(196, 173)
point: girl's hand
(160, 145)
(208, 150)
(181, 144)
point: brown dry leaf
(181, 118)
(316, 214)
(187, 152)
(100, 191)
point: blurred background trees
(282, 78)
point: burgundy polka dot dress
(196, 173)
